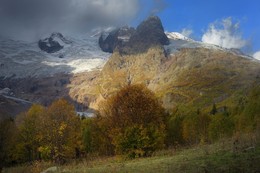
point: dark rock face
(150, 32)
(115, 39)
(51, 45)
(130, 41)
(108, 44)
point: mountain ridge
(183, 72)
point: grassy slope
(223, 156)
(191, 160)
(198, 77)
(205, 76)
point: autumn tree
(175, 129)
(135, 120)
(190, 129)
(29, 139)
(248, 116)
(60, 131)
(96, 139)
(195, 127)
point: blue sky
(197, 15)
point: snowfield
(179, 41)
(21, 59)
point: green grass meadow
(243, 155)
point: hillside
(218, 157)
(192, 75)
(7, 105)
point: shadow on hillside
(40, 89)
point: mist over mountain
(32, 19)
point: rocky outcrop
(54, 43)
(130, 41)
(115, 39)
(149, 33)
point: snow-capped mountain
(179, 41)
(22, 59)
(54, 43)
(76, 54)
(177, 36)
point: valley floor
(224, 156)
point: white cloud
(257, 55)
(225, 34)
(186, 32)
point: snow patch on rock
(177, 36)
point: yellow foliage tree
(28, 129)
(135, 121)
(49, 133)
(60, 131)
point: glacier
(19, 59)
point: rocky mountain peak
(151, 30)
(131, 41)
(116, 38)
(54, 43)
